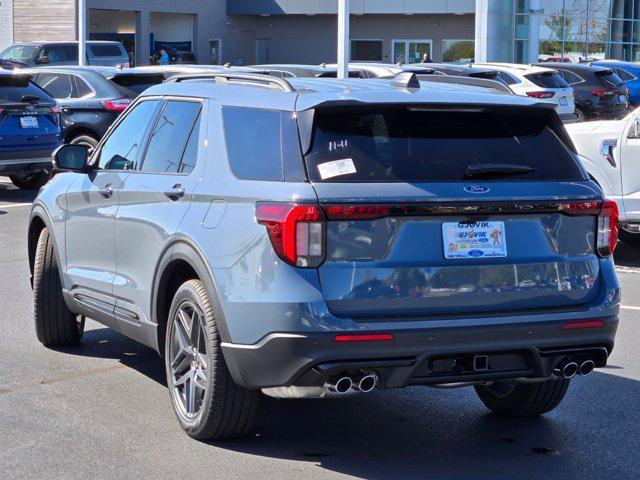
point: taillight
(607, 235)
(297, 232)
(541, 94)
(602, 92)
(116, 105)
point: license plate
(564, 102)
(474, 239)
(29, 122)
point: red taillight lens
(116, 105)
(356, 212)
(603, 92)
(583, 324)
(297, 232)
(541, 94)
(363, 337)
(607, 234)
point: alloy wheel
(188, 360)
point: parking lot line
(14, 205)
(627, 307)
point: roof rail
(247, 79)
(472, 81)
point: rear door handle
(107, 191)
(176, 192)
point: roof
(515, 68)
(579, 67)
(310, 92)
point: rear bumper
(568, 117)
(22, 161)
(526, 350)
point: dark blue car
(29, 130)
(629, 73)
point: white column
(343, 38)
(534, 30)
(82, 32)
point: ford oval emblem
(476, 253)
(476, 189)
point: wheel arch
(38, 221)
(80, 130)
(180, 262)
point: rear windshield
(13, 91)
(106, 50)
(547, 80)
(609, 77)
(414, 144)
(137, 84)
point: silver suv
(317, 237)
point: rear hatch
(434, 211)
(28, 116)
(554, 89)
(613, 90)
(133, 84)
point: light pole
(343, 38)
(82, 32)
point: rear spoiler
(15, 79)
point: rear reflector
(585, 324)
(363, 337)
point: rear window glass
(408, 144)
(105, 50)
(624, 75)
(137, 83)
(12, 91)
(547, 80)
(609, 78)
(254, 142)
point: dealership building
(244, 32)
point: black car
(599, 91)
(92, 97)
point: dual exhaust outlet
(342, 384)
(570, 369)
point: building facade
(244, 32)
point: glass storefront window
(411, 51)
(521, 51)
(549, 51)
(620, 30)
(522, 27)
(462, 51)
(366, 50)
(597, 51)
(522, 6)
(551, 27)
(620, 51)
(575, 29)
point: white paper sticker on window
(336, 168)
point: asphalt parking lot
(102, 410)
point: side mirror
(43, 61)
(634, 131)
(71, 158)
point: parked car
(307, 71)
(468, 70)
(537, 82)
(599, 92)
(610, 151)
(35, 54)
(176, 57)
(629, 73)
(269, 207)
(29, 130)
(92, 97)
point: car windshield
(21, 53)
(421, 144)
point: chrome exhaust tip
(340, 385)
(570, 369)
(367, 383)
(586, 367)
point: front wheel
(206, 400)
(525, 399)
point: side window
(254, 144)
(570, 77)
(58, 85)
(624, 75)
(508, 78)
(55, 53)
(82, 88)
(169, 137)
(120, 150)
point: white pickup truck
(611, 154)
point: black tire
(523, 400)
(225, 409)
(56, 325)
(629, 237)
(581, 115)
(29, 182)
(90, 141)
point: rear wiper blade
(476, 169)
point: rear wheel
(206, 400)
(581, 115)
(29, 181)
(56, 325)
(523, 400)
(87, 140)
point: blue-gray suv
(319, 237)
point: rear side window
(547, 80)
(624, 75)
(407, 144)
(58, 85)
(609, 78)
(169, 137)
(254, 143)
(83, 89)
(106, 50)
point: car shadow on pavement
(627, 255)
